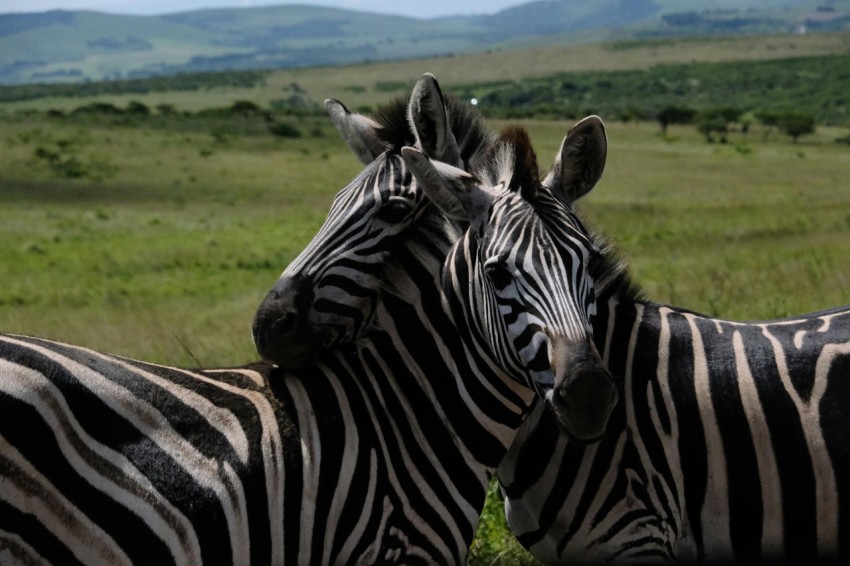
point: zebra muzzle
(281, 330)
(583, 394)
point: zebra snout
(584, 395)
(280, 329)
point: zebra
(330, 294)
(379, 452)
(731, 442)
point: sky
(413, 8)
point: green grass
(177, 245)
(167, 244)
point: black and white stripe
(111, 461)
(731, 443)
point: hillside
(61, 46)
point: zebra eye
(394, 211)
(499, 274)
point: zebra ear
(580, 161)
(358, 131)
(429, 122)
(454, 191)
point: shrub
(136, 108)
(245, 108)
(166, 109)
(64, 163)
(284, 130)
(102, 108)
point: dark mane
(610, 273)
(526, 177)
(472, 134)
(525, 174)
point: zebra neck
(447, 365)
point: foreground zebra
(107, 460)
(731, 443)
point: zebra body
(731, 443)
(112, 461)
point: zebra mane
(471, 132)
(435, 232)
(511, 159)
(609, 271)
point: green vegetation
(816, 85)
(151, 223)
(371, 84)
(190, 82)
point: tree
(716, 121)
(710, 124)
(674, 114)
(769, 119)
(796, 124)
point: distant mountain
(82, 45)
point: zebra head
(329, 294)
(520, 278)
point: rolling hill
(81, 45)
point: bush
(166, 109)
(63, 162)
(102, 108)
(245, 108)
(136, 108)
(284, 130)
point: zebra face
(329, 294)
(523, 286)
(538, 303)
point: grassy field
(169, 236)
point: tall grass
(166, 254)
